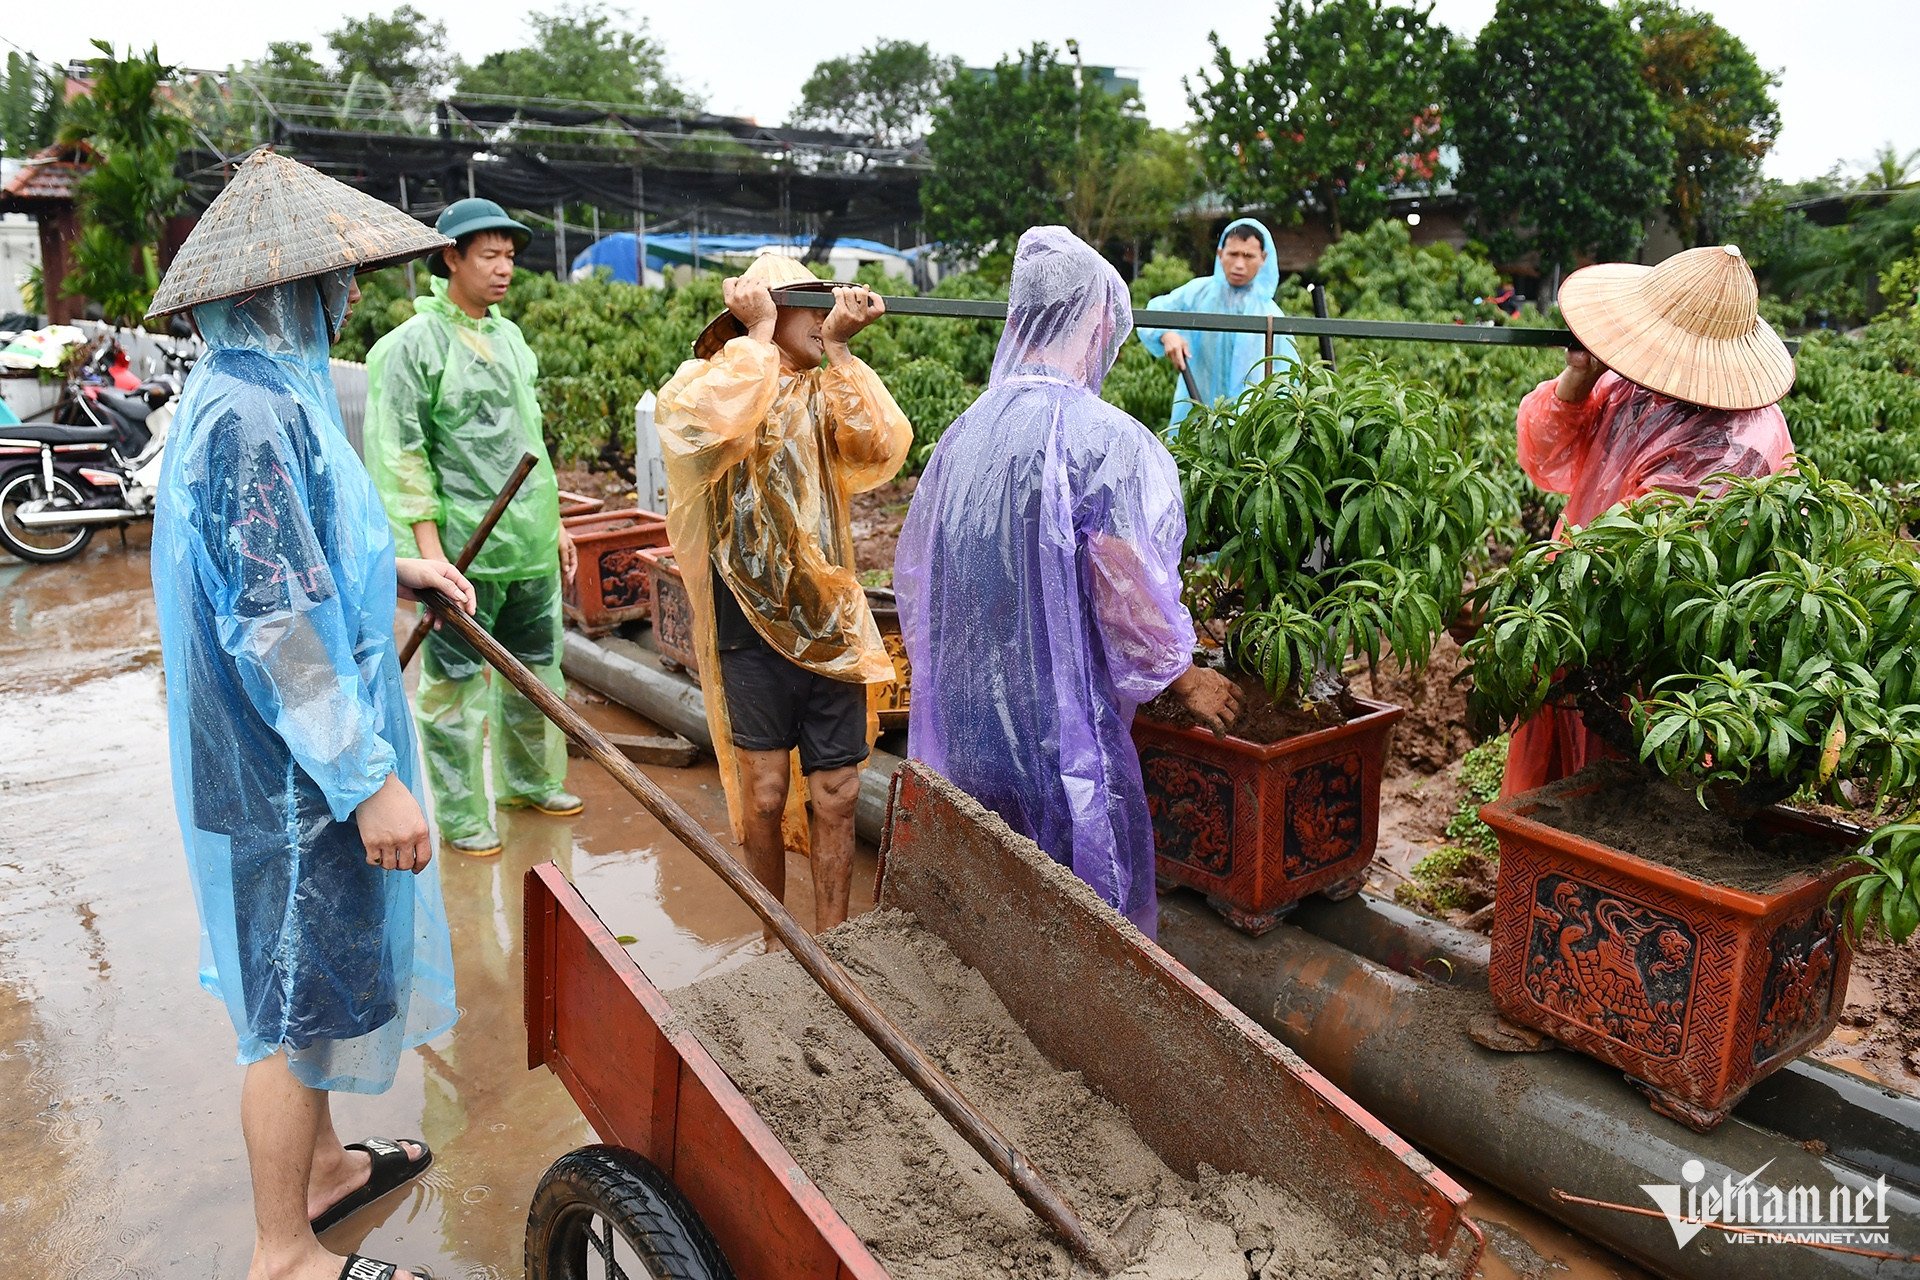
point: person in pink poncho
(1678, 382)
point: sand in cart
(919, 1196)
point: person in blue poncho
(1245, 275)
(294, 758)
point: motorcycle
(98, 463)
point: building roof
(46, 178)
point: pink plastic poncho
(1619, 443)
(1039, 586)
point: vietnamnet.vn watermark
(1745, 1210)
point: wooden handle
(478, 539)
(900, 1050)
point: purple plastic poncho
(1038, 581)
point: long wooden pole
(910, 1058)
(475, 540)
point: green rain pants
(459, 696)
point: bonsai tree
(1330, 511)
(1752, 645)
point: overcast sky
(1849, 77)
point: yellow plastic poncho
(761, 471)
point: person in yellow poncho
(765, 448)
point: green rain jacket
(451, 407)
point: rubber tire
(637, 1199)
(34, 554)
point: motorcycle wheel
(41, 546)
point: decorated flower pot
(612, 584)
(896, 696)
(1696, 990)
(1256, 827)
(672, 611)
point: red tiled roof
(46, 178)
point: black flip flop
(391, 1171)
(359, 1268)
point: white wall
(19, 254)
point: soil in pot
(1262, 718)
(1637, 813)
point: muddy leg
(834, 793)
(765, 774)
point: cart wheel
(604, 1213)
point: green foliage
(1718, 104)
(1481, 771)
(1326, 113)
(32, 99)
(585, 53)
(1338, 511)
(1440, 880)
(1163, 274)
(1761, 641)
(1562, 146)
(1009, 147)
(130, 190)
(405, 51)
(1855, 407)
(886, 93)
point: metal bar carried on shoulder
(1221, 322)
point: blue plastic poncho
(1038, 581)
(1224, 364)
(273, 571)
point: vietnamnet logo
(1746, 1211)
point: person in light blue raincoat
(294, 760)
(1245, 275)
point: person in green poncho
(451, 406)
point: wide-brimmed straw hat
(279, 220)
(778, 272)
(1689, 328)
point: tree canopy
(32, 99)
(405, 50)
(130, 191)
(587, 53)
(1718, 104)
(1010, 146)
(1563, 150)
(1325, 114)
(886, 93)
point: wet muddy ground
(120, 1149)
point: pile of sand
(925, 1203)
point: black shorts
(777, 705)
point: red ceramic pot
(672, 610)
(1695, 990)
(1259, 826)
(612, 584)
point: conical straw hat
(1689, 328)
(777, 271)
(279, 220)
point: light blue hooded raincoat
(273, 570)
(1224, 364)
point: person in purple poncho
(1038, 578)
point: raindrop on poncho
(273, 570)
(1039, 586)
(1620, 443)
(1224, 364)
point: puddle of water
(119, 1101)
(1525, 1244)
